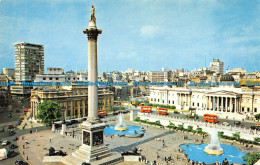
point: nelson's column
(93, 149)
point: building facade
(217, 66)
(227, 102)
(73, 100)
(29, 61)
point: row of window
(57, 78)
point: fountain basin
(212, 151)
(131, 131)
(120, 128)
(196, 152)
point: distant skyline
(139, 34)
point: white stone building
(225, 101)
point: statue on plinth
(93, 18)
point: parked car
(5, 142)
(20, 162)
(12, 146)
(11, 153)
(15, 138)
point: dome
(227, 77)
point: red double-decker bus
(210, 118)
(102, 113)
(163, 111)
(147, 109)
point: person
(50, 140)
(225, 162)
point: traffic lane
(11, 160)
(5, 136)
(231, 122)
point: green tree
(180, 127)
(252, 158)
(220, 134)
(199, 130)
(49, 111)
(257, 116)
(236, 135)
(137, 103)
(190, 128)
(257, 140)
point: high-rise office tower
(29, 60)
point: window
(158, 100)
(243, 109)
(193, 104)
(50, 78)
(151, 99)
(198, 104)
(169, 102)
(172, 102)
(248, 109)
(163, 101)
(44, 78)
(57, 78)
(255, 110)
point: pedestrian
(27, 158)
(50, 140)
(23, 146)
(165, 158)
(36, 130)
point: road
(183, 116)
(5, 120)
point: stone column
(71, 109)
(235, 105)
(78, 101)
(218, 104)
(222, 104)
(83, 107)
(226, 103)
(66, 109)
(92, 33)
(230, 105)
(214, 103)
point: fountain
(213, 148)
(120, 126)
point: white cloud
(149, 30)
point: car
(11, 132)
(255, 127)
(12, 146)
(20, 162)
(5, 142)
(115, 113)
(2, 129)
(225, 124)
(11, 153)
(15, 138)
(237, 122)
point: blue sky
(139, 34)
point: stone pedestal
(63, 129)
(93, 149)
(131, 115)
(53, 127)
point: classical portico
(223, 101)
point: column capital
(92, 33)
